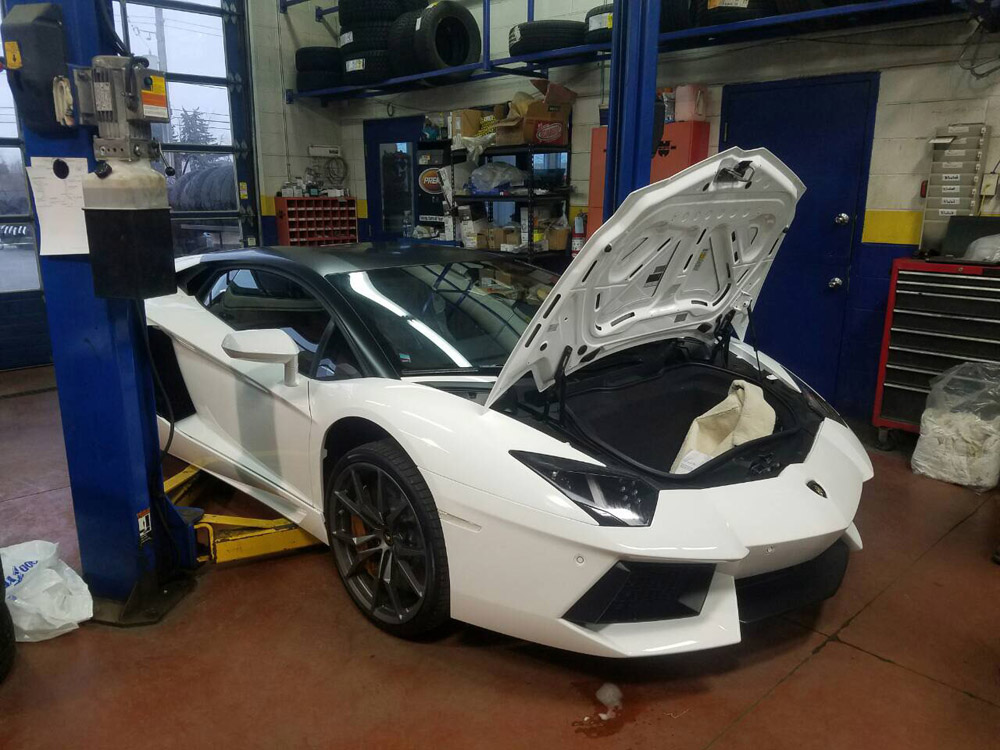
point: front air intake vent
(644, 592)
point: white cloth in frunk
(743, 416)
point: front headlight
(612, 497)
(816, 402)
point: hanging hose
(108, 24)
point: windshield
(450, 316)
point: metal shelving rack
(531, 198)
(537, 65)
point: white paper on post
(59, 207)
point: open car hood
(675, 258)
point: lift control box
(125, 199)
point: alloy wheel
(378, 543)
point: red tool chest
(316, 221)
(939, 315)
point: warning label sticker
(145, 525)
(13, 54)
(154, 99)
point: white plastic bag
(960, 427)
(742, 416)
(490, 177)
(45, 596)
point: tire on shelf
(365, 36)
(797, 6)
(676, 15)
(402, 55)
(355, 12)
(705, 16)
(544, 36)
(448, 36)
(314, 80)
(318, 58)
(406, 6)
(367, 68)
(598, 24)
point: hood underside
(675, 258)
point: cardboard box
(469, 122)
(542, 123)
(473, 223)
(495, 238)
(558, 238)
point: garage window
(201, 46)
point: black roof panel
(363, 256)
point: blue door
(822, 129)
(390, 161)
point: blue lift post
(634, 55)
(106, 400)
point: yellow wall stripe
(892, 227)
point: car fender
(450, 436)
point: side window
(337, 361)
(247, 299)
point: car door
(265, 422)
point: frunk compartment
(644, 419)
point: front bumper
(521, 571)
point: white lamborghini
(479, 439)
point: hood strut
(560, 380)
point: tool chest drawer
(939, 315)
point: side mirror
(265, 345)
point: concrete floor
(272, 654)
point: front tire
(387, 541)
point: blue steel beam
(634, 53)
(104, 382)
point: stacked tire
(544, 36)
(444, 35)
(364, 38)
(707, 13)
(318, 68)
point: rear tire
(386, 537)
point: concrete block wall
(284, 133)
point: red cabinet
(683, 144)
(316, 221)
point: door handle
(835, 283)
(842, 219)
